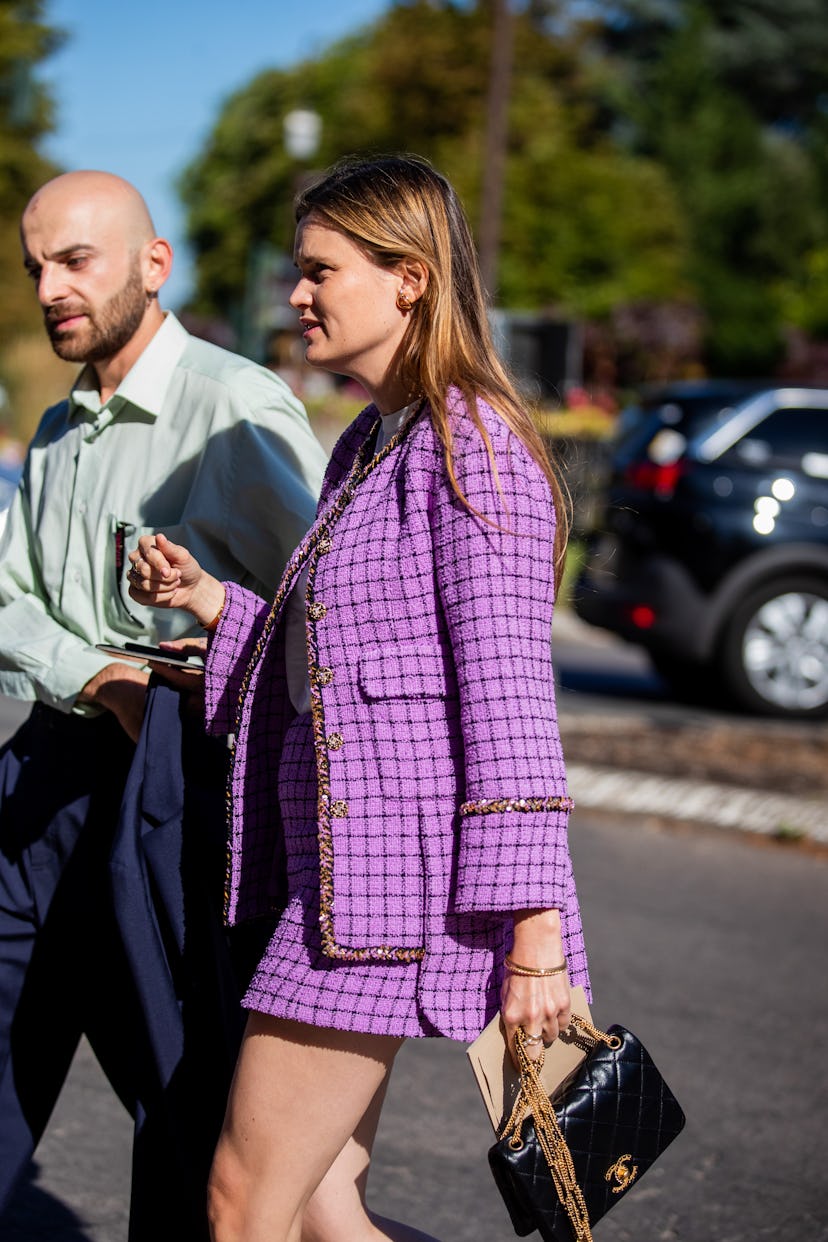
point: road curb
(779, 816)
(761, 777)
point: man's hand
(122, 690)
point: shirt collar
(145, 384)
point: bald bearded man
(160, 431)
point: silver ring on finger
(533, 1040)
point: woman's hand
(541, 1005)
(166, 575)
(186, 646)
(187, 678)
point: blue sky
(138, 86)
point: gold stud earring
(404, 302)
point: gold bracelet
(211, 625)
(534, 972)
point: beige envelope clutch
(497, 1077)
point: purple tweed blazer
(442, 794)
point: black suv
(713, 548)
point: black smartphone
(143, 653)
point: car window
(795, 439)
(638, 425)
(689, 414)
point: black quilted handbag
(562, 1163)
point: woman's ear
(414, 276)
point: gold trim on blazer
(318, 543)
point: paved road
(711, 948)
(713, 951)
(12, 713)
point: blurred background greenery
(652, 171)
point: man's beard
(106, 331)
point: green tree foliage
(660, 151)
(586, 224)
(774, 55)
(25, 117)
(728, 97)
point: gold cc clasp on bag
(622, 1173)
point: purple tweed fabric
(295, 979)
(441, 791)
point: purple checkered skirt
(294, 978)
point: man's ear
(156, 258)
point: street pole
(494, 152)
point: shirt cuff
(60, 685)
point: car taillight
(649, 476)
(642, 616)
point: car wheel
(774, 658)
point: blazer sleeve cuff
(513, 859)
(229, 652)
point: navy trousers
(111, 873)
(167, 870)
(62, 970)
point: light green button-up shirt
(197, 442)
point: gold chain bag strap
(560, 1163)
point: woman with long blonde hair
(398, 788)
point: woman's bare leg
(298, 1096)
(337, 1209)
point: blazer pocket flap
(407, 671)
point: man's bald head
(89, 242)
(106, 193)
